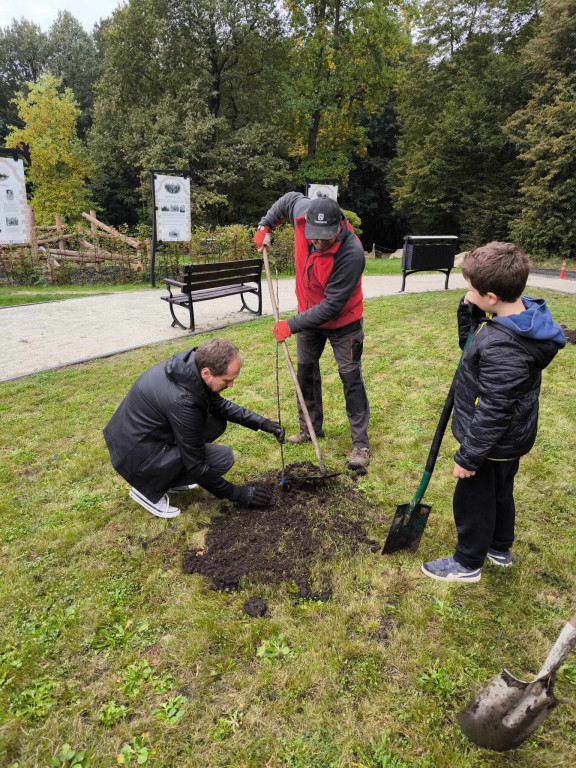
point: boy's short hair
(500, 268)
(216, 355)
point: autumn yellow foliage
(59, 163)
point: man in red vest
(329, 261)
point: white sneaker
(161, 508)
(180, 488)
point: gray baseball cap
(322, 219)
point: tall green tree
(66, 50)
(342, 70)
(192, 85)
(367, 191)
(544, 132)
(74, 58)
(58, 162)
(456, 171)
(23, 56)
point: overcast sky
(44, 12)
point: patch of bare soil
(570, 335)
(301, 531)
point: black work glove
(253, 496)
(275, 429)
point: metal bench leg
(175, 320)
(191, 311)
(252, 311)
(447, 278)
(403, 280)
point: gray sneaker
(447, 569)
(500, 558)
(182, 488)
(359, 458)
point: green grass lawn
(105, 645)
(11, 295)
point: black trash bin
(423, 253)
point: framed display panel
(14, 218)
(328, 188)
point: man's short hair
(216, 355)
(500, 268)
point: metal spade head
(507, 711)
(407, 528)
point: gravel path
(38, 337)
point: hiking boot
(160, 508)
(359, 458)
(182, 488)
(447, 569)
(500, 558)
(303, 437)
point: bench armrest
(175, 282)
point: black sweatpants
(220, 458)
(347, 344)
(484, 512)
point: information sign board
(14, 221)
(322, 190)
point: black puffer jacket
(497, 387)
(157, 431)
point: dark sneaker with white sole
(182, 488)
(160, 508)
(500, 558)
(447, 569)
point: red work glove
(261, 233)
(281, 331)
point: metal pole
(153, 245)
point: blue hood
(534, 323)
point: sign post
(170, 211)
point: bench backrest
(222, 273)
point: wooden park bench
(202, 282)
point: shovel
(508, 710)
(410, 519)
(299, 394)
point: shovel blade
(407, 528)
(507, 711)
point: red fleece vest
(313, 271)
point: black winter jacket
(496, 388)
(157, 432)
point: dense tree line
(440, 116)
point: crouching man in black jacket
(161, 436)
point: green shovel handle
(438, 436)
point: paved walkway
(38, 337)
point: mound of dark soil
(570, 335)
(303, 528)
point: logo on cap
(320, 217)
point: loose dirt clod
(300, 532)
(255, 606)
(570, 335)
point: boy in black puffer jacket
(495, 404)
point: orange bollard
(563, 270)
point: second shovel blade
(483, 720)
(407, 528)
